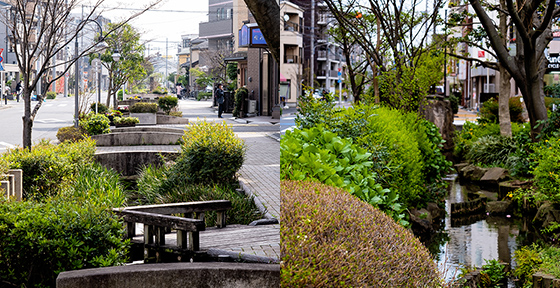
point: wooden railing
(158, 221)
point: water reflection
(479, 239)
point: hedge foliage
(47, 167)
(166, 103)
(70, 133)
(210, 153)
(489, 110)
(143, 107)
(330, 238)
(406, 150)
(95, 124)
(321, 155)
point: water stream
(476, 238)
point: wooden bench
(158, 220)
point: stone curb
(242, 257)
(258, 201)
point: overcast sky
(170, 19)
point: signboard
(553, 63)
(556, 34)
(1, 59)
(480, 54)
(257, 38)
(244, 36)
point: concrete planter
(145, 118)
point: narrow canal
(474, 239)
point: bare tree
(40, 30)
(532, 20)
(405, 27)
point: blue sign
(257, 37)
(339, 81)
(244, 36)
(339, 74)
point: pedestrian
(179, 87)
(219, 95)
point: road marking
(48, 105)
(7, 145)
(51, 120)
(62, 105)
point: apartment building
(291, 52)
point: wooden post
(160, 235)
(182, 239)
(221, 219)
(148, 234)
(194, 241)
(130, 230)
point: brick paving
(259, 175)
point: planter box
(145, 118)
(125, 125)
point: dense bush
(143, 107)
(176, 113)
(312, 111)
(95, 124)
(46, 168)
(210, 153)
(321, 155)
(551, 126)
(203, 95)
(548, 101)
(489, 110)
(552, 90)
(126, 120)
(70, 133)
(546, 170)
(239, 98)
(533, 259)
(101, 108)
(40, 240)
(157, 185)
(454, 100)
(329, 238)
(159, 90)
(166, 103)
(51, 95)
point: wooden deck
(242, 242)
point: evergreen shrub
(489, 110)
(321, 155)
(95, 124)
(70, 133)
(51, 95)
(47, 168)
(101, 108)
(239, 98)
(166, 103)
(40, 240)
(210, 153)
(546, 170)
(143, 107)
(330, 238)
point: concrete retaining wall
(166, 119)
(145, 118)
(137, 138)
(172, 275)
(128, 163)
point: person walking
(219, 94)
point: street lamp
(77, 80)
(116, 57)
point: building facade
(291, 52)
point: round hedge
(330, 238)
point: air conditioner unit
(252, 106)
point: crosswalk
(57, 105)
(287, 123)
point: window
(218, 14)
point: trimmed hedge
(143, 107)
(332, 239)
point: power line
(158, 10)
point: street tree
(478, 38)
(126, 40)
(532, 20)
(41, 30)
(394, 37)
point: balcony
(321, 55)
(291, 59)
(293, 27)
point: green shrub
(157, 185)
(546, 157)
(51, 95)
(210, 154)
(551, 126)
(548, 101)
(47, 168)
(40, 240)
(167, 103)
(489, 110)
(203, 95)
(126, 120)
(95, 124)
(239, 98)
(492, 274)
(176, 113)
(454, 100)
(552, 91)
(329, 238)
(159, 90)
(120, 95)
(321, 155)
(101, 108)
(528, 262)
(70, 133)
(143, 107)
(312, 111)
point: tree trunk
(27, 120)
(267, 14)
(503, 102)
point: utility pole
(166, 82)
